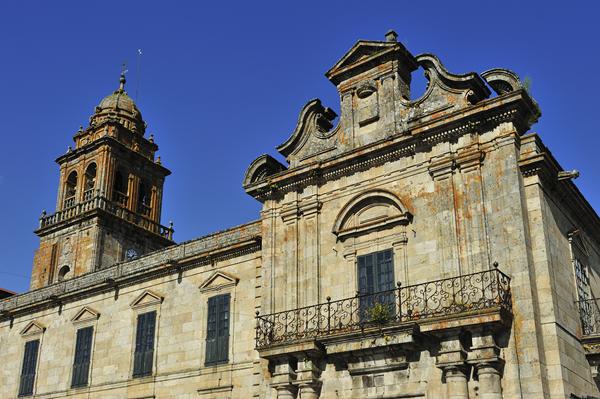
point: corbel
(56, 300)
(174, 265)
(8, 314)
(112, 283)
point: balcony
(589, 313)
(101, 203)
(429, 306)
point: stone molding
(237, 240)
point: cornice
(112, 142)
(238, 240)
(516, 107)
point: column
(485, 357)
(456, 381)
(309, 391)
(451, 359)
(286, 392)
(490, 386)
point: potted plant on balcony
(380, 313)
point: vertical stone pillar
(309, 391)
(441, 170)
(283, 378)
(451, 359)
(490, 386)
(289, 261)
(286, 392)
(309, 266)
(485, 357)
(456, 381)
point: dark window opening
(217, 334)
(63, 272)
(120, 189)
(376, 285)
(144, 344)
(90, 182)
(70, 190)
(28, 370)
(143, 203)
(83, 353)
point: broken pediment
(312, 135)
(261, 168)
(33, 328)
(502, 80)
(147, 298)
(85, 314)
(218, 280)
(374, 210)
(367, 54)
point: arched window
(63, 273)
(70, 190)
(120, 188)
(143, 203)
(90, 182)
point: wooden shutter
(217, 330)
(83, 352)
(29, 365)
(144, 344)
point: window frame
(225, 351)
(89, 360)
(31, 392)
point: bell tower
(109, 196)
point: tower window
(90, 182)
(63, 273)
(70, 190)
(120, 189)
(143, 204)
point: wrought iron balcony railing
(476, 292)
(589, 312)
(100, 202)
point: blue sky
(222, 82)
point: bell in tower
(109, 196)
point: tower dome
(119, 107)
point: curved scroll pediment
(313, 133)
(373, 210)
(502, 80)
(261, 168)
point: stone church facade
(424, 247)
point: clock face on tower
(131, 253)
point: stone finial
(151, 139)
(158, 161)
(69, 149)
(391, 36)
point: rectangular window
(29, 365)
(375, 282)
(83, 353)
(144, 344)
(217, 334)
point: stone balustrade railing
(100, 202)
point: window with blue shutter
(29, 365)
(217, 334)
(375, 280)
(144, 344)
(83, 353)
